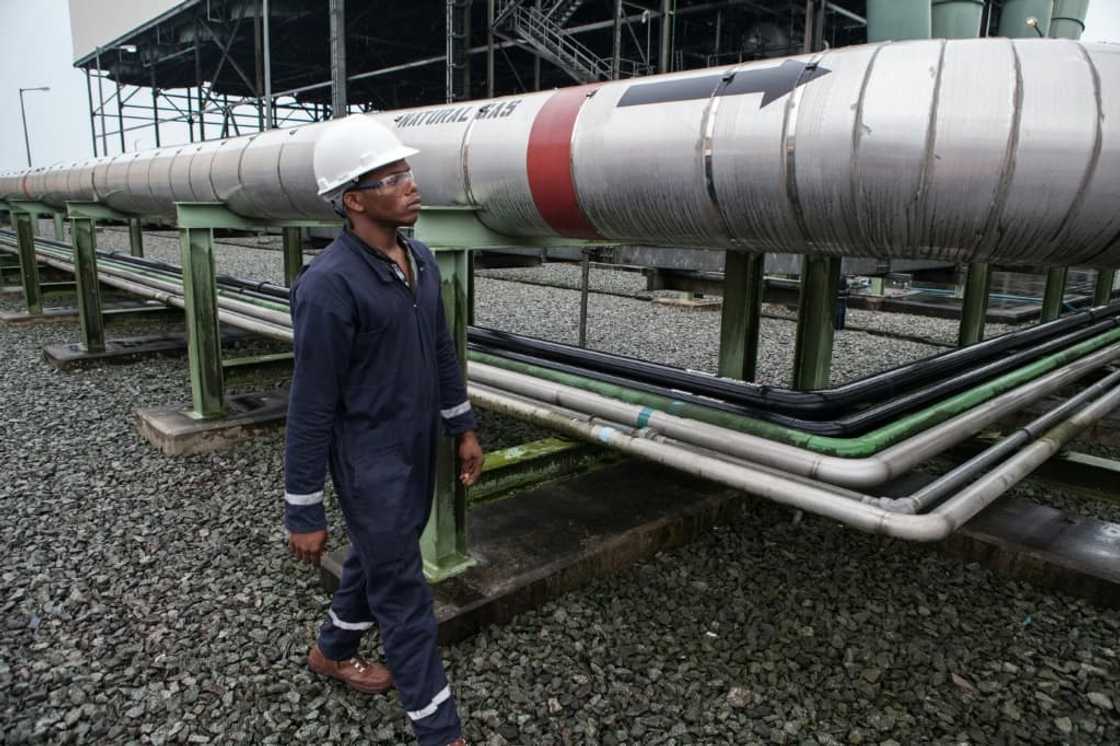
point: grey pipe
(859, 473)
(802, 494)
(921, 500)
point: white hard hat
(352, 146)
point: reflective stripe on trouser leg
(401, 601)
(349, 616)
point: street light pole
(23, 116)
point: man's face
(395, 205)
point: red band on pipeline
(548, 161)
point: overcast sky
(35, 50)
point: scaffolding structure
(230, 67)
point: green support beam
(1055, 293)
(293, 254)
(28, 264)
(84, 217)
(974, 307)
(451, 233)
(816, 312)
(1102, 292)
(743, 285)
(83, 232)
(196, 222)
(59, 226)
(135, 237)
(204, 342)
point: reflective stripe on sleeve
(448, 414)
(313, 499)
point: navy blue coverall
(376, 372)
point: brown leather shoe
(356, 673)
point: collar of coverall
(381, 264)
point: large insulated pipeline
(816, 497)
(993, 150)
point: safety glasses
(399, 180)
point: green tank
(1013, 18)
(957, 19)
(896, 20)
(1069, 19)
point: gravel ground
(150, 600)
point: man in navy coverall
(376, 379)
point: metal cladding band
(968, 150)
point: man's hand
(470, 458)
(308, 547)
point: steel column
(293, 254)
(203, 339)
(743, 288)
(59, 226)
(816, 311)
(83, 233)
(489, 48)
(92, 115)
(1106, 280)
(135, 237)
(974, 307)
(28, 264)
(584, 290)
(338, 58)
(444, 541)
(269, 112)
(1055, 293)
(664, 64)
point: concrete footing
(1045, 547)
(557, 537)
(176, 433)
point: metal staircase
(543, 31)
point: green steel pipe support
(859, 447)
(28, 263)
(896, 20)
(742, 313)
(1106, 281)
(816, 313)
(135, 237)
(59, 226)
(1013, 16)
(974, 307)
(1055, 293)
(293, 254)
(83, 232)
(444, 541)
(956, 19)
(203, 338)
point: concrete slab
(1036, 543)
(547, 541)
(1046, 547)
(175, 433)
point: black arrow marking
(772, 82)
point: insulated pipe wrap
(964, 150)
